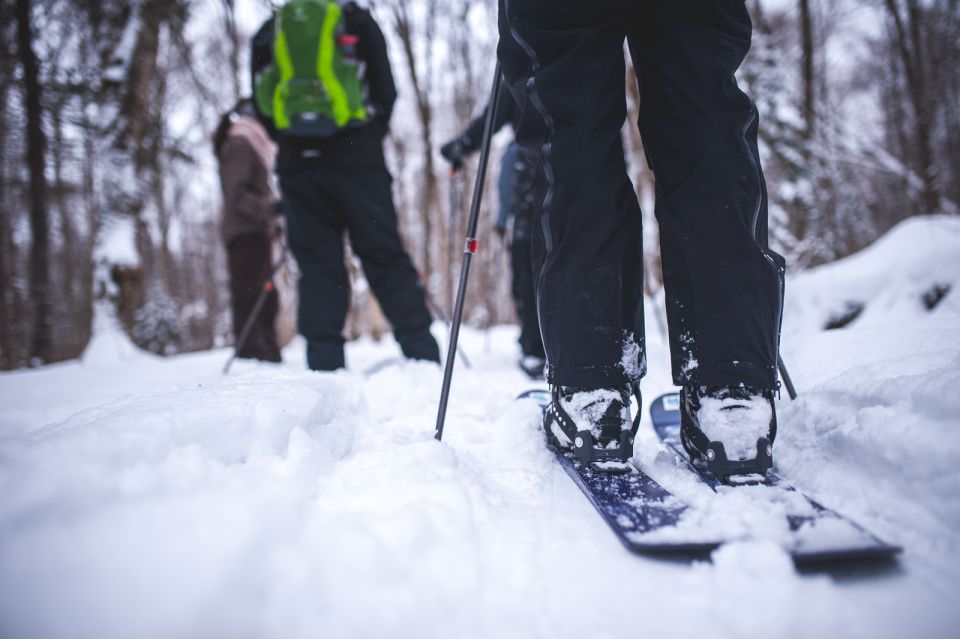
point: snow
(889, 278)
(109, 345)
(116, 245)
(153, 497)
(586, 408)
(737, 423)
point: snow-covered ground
(144, 497)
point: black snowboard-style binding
(609, 452)
(712, 453)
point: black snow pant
(563, 61)
(248, 260)
(321, 203)
(523, 288)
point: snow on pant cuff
(728, 374)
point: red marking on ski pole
(348, 39)
(472, 246)
(268, 286)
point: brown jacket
(245, 165)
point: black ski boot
(595, 424)
(729, 428)
(533, 366)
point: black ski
(640, 512)
(819, 534)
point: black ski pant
(524, 296)
(563, 61)
(321, 203)
(523, 288)
(248, 260)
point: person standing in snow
(516, 200)
(564, 64)
(324, 84)
(248, 225)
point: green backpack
(314, 87)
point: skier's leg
(315, 237)
(263, 334)
(524, 294)
(724, 286)
(563, 61)
(723, 283)
(245, 281)
(371, 221)
(268, 317)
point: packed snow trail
(147, 497)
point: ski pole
(469, 249)
(791, 391)
(446, 320)
(456, 195)
(265, 290)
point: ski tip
(539, 395)
(881, 555)
(665, 412)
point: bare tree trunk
(233, 36)
(428, 196)
(69, 262)
(8, 357)
(809, 92)
(90, 205)
(8, 345)
(911, 47)
(41, 337)
(137, 107)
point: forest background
(108, 187)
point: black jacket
(359, 146)
(507, 112)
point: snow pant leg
(248, 261)
(724, 286)
(371, 221)
(524, 298)
(506, 185)
(563, 61)
(315, 237)
(524, 293)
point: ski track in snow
(146, 497)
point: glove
(453, 151)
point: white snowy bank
(146, 497)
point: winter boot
(595, 423)
(730, 428)
(533, 366)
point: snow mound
(109, 344)
(912, 268)
(155, 498)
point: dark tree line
(103, 178)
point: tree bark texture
(911, 48)
(41, 337)
(809, 92)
